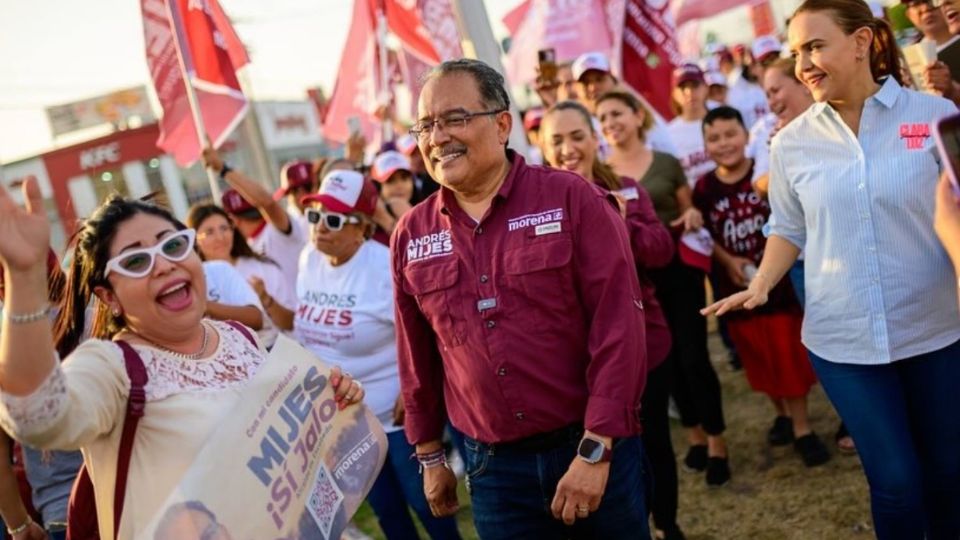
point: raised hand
(24, 232)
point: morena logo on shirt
(429, 246)
(915, 134)
(532, 220)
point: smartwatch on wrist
(593, 451)
(223, 171)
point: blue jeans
(905, 419)
(398, 485)
(511, 492)
(796, 274)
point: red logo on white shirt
(915, 135)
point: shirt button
(871, 248)
(862, 186)
(484, 278)
(501, 372)
(491, 324)
(519, 415)
(479, 230)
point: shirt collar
(889, 91)
(446, 201)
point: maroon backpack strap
(136, 404)
(243, 330)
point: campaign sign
(287, 464)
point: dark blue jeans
(511, 493)
(398, 485)
(905, 418)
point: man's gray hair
(490, 82)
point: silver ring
(583, 509)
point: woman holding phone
(852, 183)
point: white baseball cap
(715, 78)
(388, 163)
(765, 45)
(345, 192)
(406, 144)
(590, 61)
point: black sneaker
(718, 471)
(696, 460)
(781, 433)
(812, 450)
(673, 533)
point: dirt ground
(772, 496)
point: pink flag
(570, 27)
(688, 10)
(649, 52)
(357, 87)
(441, 23)
(515, 17)
(209, 51)
(403, 19)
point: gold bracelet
(20, 529)
(27, 318)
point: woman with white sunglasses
(345, 316)
(138, 262)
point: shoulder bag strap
(136, 404)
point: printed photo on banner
(303, 465)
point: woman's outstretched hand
(754, 296)
(24, 232)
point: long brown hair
(602, 173)
(852, 15)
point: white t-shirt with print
(687, 136)
(283, 248)
(345, 316)
(282, 291)
(227, 286)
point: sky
(58, 51)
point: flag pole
(387, 125)
(202, 137)
(479, 43)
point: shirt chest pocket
(434, 285)
(539, 274)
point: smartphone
(547, 59)
(946, 133)
(353, 124)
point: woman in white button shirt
(852, 183)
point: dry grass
(772, 495)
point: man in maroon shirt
(520, 317)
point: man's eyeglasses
(448, 124)
(138, 263)
(331, 220)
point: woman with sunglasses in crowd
(569, 142)
(137, 263)
(219, 240)
(852, 183)
(346, 316)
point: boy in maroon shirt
(767, 338)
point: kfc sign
(98, 156)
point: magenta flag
(570, 27)
(212, 53)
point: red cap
(696, 249)
(686, 73)
(234, 203)
(293, 175)
(345, 192)
(532, 119)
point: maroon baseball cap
(235, 204)
(345, 192)
(293, 175)
(688, 72)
